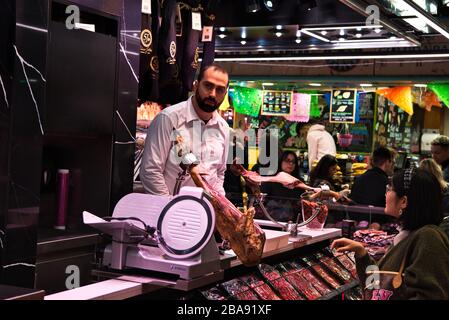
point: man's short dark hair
(442, 141)
(382, 154)
(215, 67)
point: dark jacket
(370, 188)
(426, 269)
(445, 167)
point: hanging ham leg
(254, 180)
(244, 235)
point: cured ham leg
(254, 180)
(244, 235)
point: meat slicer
(169, 234)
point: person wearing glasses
(283, 203)
(416, 266)
(192, 126)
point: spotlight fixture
(324, 32)
(341, 39)
(271, 5)
(222, 29)
(377, 30)
(358, 35)
(252, 6)
(342, 32)
(222, 36)
(278, 34)
(307, 4)
(278, 27)
(298, 40)
(243, 42)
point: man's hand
(343, 245)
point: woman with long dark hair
(417, 264)
(324, 171)
(281, 202)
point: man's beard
(207, 107)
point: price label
(146, 6)
(196, 21)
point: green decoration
(247, 100)
(441, 90)
(315, 111)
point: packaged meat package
(239, 290)
(246, 295)
(303, 286)
(262, 289)
(318, 284)
(343, 275)
(268, 272)
(321, 272)
(348, 264)
(215, 293)
(286, 290)
(265, 292)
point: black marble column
(24, 33)
(24, 25)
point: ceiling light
(359, 29)
(417, 12)
(420, 85)
(315, 35)
(222, 36)
(278, 34)
(268, 84)
(342, 32)
(393, 38)
(358, 35)
(327, 57)
(366, 85)
(315, 84)
(298, 41)
(271, 5)
(243, 42)
(278, 27)
(243, 34)
(298, 34)
(222, 29)
(252, 5)
(377, 30)
(135, 34)
(377, 26)
(324, 32)
(307, 4)
(341, 39)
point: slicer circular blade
(185, 226)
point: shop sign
(343, 106)
(277, 103)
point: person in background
(416, 267)
(323, 174)
(440, 153)
(319, 142)
(281, 202)
(431, 166)
(369, 188)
